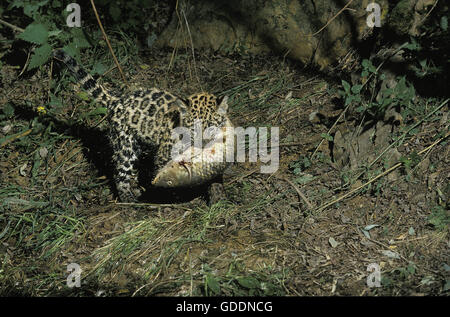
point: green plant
(47, 29)
(411, 160)
(300, 165)
(439, 218)
(402, 94)
(46, 26)
(239, 282)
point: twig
(379, 176)
(300, 194)
(172, 57)
(428, 13)
(15, 137)
(401, 137)
(108, 43)
(15, 28)
(112, 68)
(363, 85)
(142, 204)
(25, 65)
(192, 48)
(242, 177)
(387, 248)
(292, 144)
(331, 20)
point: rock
(306, 31)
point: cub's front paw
(216, 192)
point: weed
(297, 167)
(439, 218)
(402, 94)
(235, 284)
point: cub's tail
(88, 83)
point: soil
(271, 236)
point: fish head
(174, 174)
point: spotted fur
(145, 117)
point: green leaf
(99, 69)
(83, 96)
(99, 110)
(413, 131)
(16, 4)
(386, 102)
(365, 63)
(446, 267)
(54, 33)
(8, 110)
(356, 89)
(36, 164)
(346, 86)
(370, 227)
(249, 282)
(40, 56)
(79, 38)
(413, 46)
(56, 4)
(212, 284)
(326, 136)
(439, 218)
(35, 33)
(444, 23)
(423, 63)
(349, 100)
(32, 9)
(411, 268)
(447, 285)
(72, 50)
(55, 101)
(406, 161)
(302, 180)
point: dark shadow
(435, 50)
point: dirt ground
(281, 234)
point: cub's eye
(169, 183)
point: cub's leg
(216, 191)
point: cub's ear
(223, 105)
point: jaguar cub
(145, 117)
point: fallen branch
(331, 20)
(300, 194)
(15, 137)
(378, 176)
(11, 26)
(108, 43)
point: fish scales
(193, 167)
